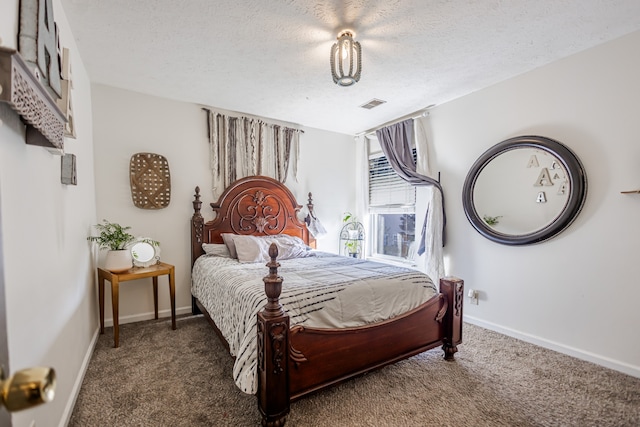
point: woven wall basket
(150, 181)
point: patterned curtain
(243, 146)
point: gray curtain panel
(397, 141)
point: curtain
(243, 146)
(362, 184)
(397, 141)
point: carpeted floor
(160, 377)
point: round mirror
(144, 253)
(524, 190)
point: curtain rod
(423, 113)
(268, 121)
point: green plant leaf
(111, 236)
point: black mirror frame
(577, 194)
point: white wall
(576, 292)
(126, 123)
(327, 170)
(50, 292)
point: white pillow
(229, 240)
(256, 248)
(251, 249)
(289, 246)
(216, 249)
(286, 239)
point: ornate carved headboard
(255, 205)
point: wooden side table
(134, 273)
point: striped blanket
(322, 291)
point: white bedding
(323, 291)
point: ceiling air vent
(372, 104)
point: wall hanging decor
(38, 43)
(30, 77)
(524, 190)
(65, 103)
(150, 181)
(68, 174)
(26, 95)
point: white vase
(118, 261)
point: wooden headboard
(255, 205)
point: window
(391, 211)
(394, 234)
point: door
(28, 387)
(5, 418)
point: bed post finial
(273, 350)
(311, 215)
(197, 226)
(273, 285)
(197, 230)
(197, 204)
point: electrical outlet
(473, 296)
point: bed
(296, 354)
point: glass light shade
(346, 61)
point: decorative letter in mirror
(524, 190)
(145, 252)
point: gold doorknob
(27, 388)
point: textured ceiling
(271, 58)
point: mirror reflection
(524, 190)
(521, 191)
(145, 252)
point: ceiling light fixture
(346, 59)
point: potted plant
(115, 238)
(349, 218)
(352, 239)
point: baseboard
(75, 391)
(616, 365)
(147, 316)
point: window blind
(386, 188)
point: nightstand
(135, 273)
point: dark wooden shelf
(20, 88)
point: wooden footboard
(453, 290)
(322, 357)
(295, 362)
